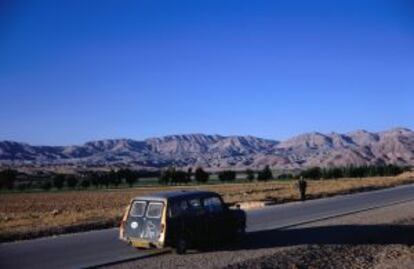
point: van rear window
(138, 209)
(155, 210)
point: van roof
(171, 195)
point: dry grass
(27, 215)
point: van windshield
(138, 209)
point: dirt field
(28, 215)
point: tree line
(173, 176)
(11, 179)
(353, 171)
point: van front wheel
(181, 246)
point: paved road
(99, 247)
(290, 214)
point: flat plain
(29, 215)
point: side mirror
(238, 206)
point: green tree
(189, 174)
(46, 186)
(250, 175)
(105, 179)
(227, 175)
(22, 186)
(201, 176)
(165, 177)
(7, 178)
(131, 178)
(265, 174)
(173, 176)
(114, 178)
(95, 178)
(59, 181)
(312, 173)
(85, 183)
(72, 181)
(181, 177)
(337, 173)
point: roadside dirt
(381, 238)
(336, 256)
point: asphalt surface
(297, 213)
(95, 248)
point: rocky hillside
(395, 146)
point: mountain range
(216, 152)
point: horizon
(79, 71)
(207, 134)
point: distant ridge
(394, 146)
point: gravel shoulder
(381, 238)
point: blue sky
(73, 71)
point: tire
(240, 233)
(181, 246)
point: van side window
(195, 203)
(213, 205)
(196, 206)
(183, 205)
(178, 208)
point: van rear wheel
(240, 234)
(181, 246)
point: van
(180, 219)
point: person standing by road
(301, 185)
